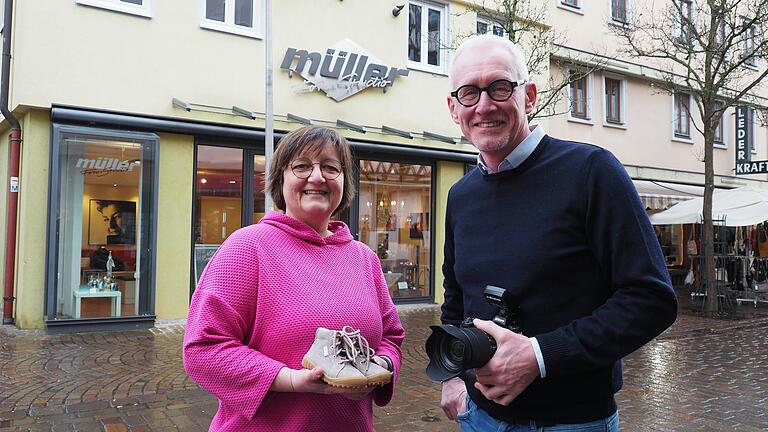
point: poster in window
(417, 226)
(111, 222)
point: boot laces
(357, 346)
(342, 349)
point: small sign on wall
(14, 184)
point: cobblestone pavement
(702, 374)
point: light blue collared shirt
(518, 155)
(512, 161)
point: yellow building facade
(144, 142)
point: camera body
(452, 350)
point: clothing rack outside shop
(741, 270)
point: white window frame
(723, 128)
(622, 124)
(678, 29)
(587, 100)
(675, 136)
(577, 8)
(752, 128)
(749, 43)
(490, 23)
(229, 26)
(144, 10)
(627, 13)
(422, 65)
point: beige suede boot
(362, 355)
(328, 351)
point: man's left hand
(511, 369)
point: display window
(103, 200)
(395, 221)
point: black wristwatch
(389, 363)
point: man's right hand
(453, 399)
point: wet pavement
(702, 374)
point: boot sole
(351, 382)
(380, 379)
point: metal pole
(269, 133)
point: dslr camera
(452, 350)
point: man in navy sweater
(560, 226)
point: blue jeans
(475, 419)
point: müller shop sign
(344, 69)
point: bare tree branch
(710, 52)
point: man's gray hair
(518, 58)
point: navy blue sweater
(564, 232)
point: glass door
(394, 220)
(229, 194)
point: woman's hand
(311, 381)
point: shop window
(100, 265)
(395, 201)
(133, 7)
(427, 31)
(235, 16)
(671, 240)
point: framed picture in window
(417, 225)
(111, 222)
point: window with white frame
(485, 25)
(749, 44)
(682, 115)
(579, 90)
(720, 133)
(751, 129)
(620, 11)
(721, 19)
(240, 17)
(427, 30)
(684, 11)
(133, 7)
(615, 90)
(571, 3)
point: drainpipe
(13, 168)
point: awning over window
(657, 195)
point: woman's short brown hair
(310, 140)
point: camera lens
(456, 350)
(452, 350)
(450, 354)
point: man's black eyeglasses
(499, 90)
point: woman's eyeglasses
(329, 168)
(499, 90)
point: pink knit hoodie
(256, 308)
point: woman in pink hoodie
(271, 285)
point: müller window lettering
(101, 227)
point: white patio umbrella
(739, 207)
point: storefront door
(229, 194)
(395, 221)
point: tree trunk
(707, 240)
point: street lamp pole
(269, 133)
